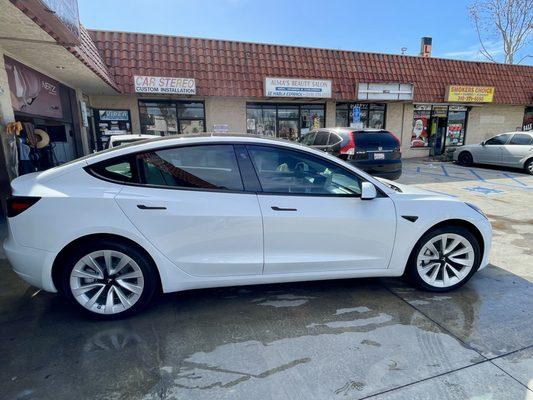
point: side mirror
(483, 143)
(368, 191)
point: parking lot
(354, 339)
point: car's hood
(413, 191)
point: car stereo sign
(295, 87)
(164, 85)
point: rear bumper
(33, 265)
(389, 169)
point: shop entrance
(438, 127)
(437, 135)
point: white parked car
(181, 213)
(511, 149)
(117, 140)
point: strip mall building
(117, 82)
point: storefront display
(171, 117)
(438, 126)
(49, 132)
(371, 115)
(288, 121)
(527, 125)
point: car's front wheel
(108, 279)
(444, 259)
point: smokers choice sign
(164, 84)
(295, 87)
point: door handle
(143, 207)
(275, 208)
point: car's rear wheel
(108, 279)
(465, 158)
(529, 166)
(444, 259)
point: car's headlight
(474, 207)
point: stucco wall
(122, 103)
(489, 120)
(221, 110)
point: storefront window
(438, 126)
(288, 121)
(528, 119)
(371, 115)
(455, 134)
(169, 118)
(312, 117)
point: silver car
(511, 149)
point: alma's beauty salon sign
(164, 85)
(296, 87)
(32, 92)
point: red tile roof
(229, 68)
(88, 54)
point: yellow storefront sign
(470, 94)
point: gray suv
(511, 149)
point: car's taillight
(349, 149)
(17, 204)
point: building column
(331, 120)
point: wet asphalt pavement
(352, 339)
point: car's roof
(343, 129)
(129, 137)
(174, 140)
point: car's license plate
(379, 156)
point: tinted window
(521, 138)
(117, 169)
(288, 171)
(205, 167)
(334, 139)
(371, 140)
(500, 139)
(321, 138)
(308, 139)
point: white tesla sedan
(179, 213)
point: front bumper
(33, 265)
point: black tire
(528, 166)
(411, 271)
(146, 266)
(465, 158)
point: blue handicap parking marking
(483, 189)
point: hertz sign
(469, 94)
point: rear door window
(200, 167)
(322, 138)
(308, 139)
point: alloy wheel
(445, 260)
(106, 282)
(529, 167)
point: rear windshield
(383, 139)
